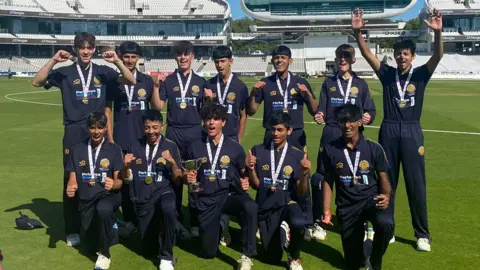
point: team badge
(82, 163)
(104, 164)
(364, 165)
(273, 93)
(293, 91)
(97, 81)
(339, 165)
(224, 161)
(138, 161)
(176, 89)
(265, 167)
(77, 81)
(66, 151)
(231, 97)
(320, 149)
(161, 161)
(333, 89)
(141, 93)
(421, 150)
(411, 89)
(354, 91)
(287, 170)
(195, 90)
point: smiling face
(280, 133)
(85, 52)
(213, 126)
(152, 130)
(130, 60)
(97, 133)
(184, 61)
(350, 129)
(281, 63)
(404, 58)
(344, 61)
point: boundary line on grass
(8, 96)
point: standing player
(152, 163)
(280, 171)
(221, 187)
(400, 134)
(184, 92)
(128, 102)
(285, 92)
(358, 167)
(93, 168)
(345, 87)
(80, 97)
(229, 91)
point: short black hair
(282, 50)
(97, 119)
(405, 44)
(222, 52)
(349, 113)
(345, 49)
(130, 47)
(83, 37)
(152, 115)
(280, 118)
(214, 110)
(182, 47)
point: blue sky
(412, 13)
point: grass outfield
(31, 171)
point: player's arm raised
(251, 162)
(302, 183)
(159, 86)
(127, 76)
(435, 24)
(255, 98)
(357, 24)
(41, 77)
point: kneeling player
(153, 165)
(218, 187)
(93, 169)
(280, 173)
(358, 167)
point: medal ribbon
(276, 170)
(92, 162)
(130, 91)
(85, 86)
(147, 153)
(282, 92)
(221, 98)
(184, 89)
(349, 87)
(217, 153)
(401, 92)
(353, 168)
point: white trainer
(225, 238)
(392, 240)
(166, 265)
(73, 240)
(285, 230)
(319, 234)
(245, 263)
(259, 238)
(307, 236)
(371, 234)
(295, 265)
(195, 232)
(423, 244)
(102, 263)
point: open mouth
(97, 137)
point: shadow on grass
(405, 241)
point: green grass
(31, 181)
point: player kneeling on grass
(219, 187)
(280, 172)
(358, 167)
(153, 163)
(94, 168)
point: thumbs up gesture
(251, 160)
(306, 165)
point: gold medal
(85, 100)
(285, 109)
(212, 177)
(148, 180)
(183, 105)
(129, 109)
(402, 104)
(92, 182)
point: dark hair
(344, 49)
(214, 110)
(349, 113)
(182, 47)
(130, 47)
(405, 44)
(280, 118)
(97, 119)
(83, 37)
(152, 115)
(282, 50)
(222, 52)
